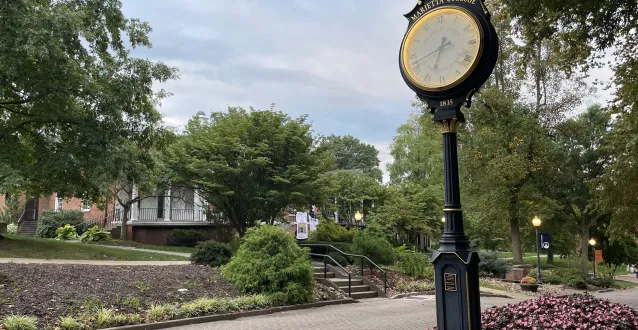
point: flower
(528, 280)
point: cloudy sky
(335, 60)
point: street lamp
(592, 242)
(358, 216)
(443, 219)
(537, 223)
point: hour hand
(434, 51)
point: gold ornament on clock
(442, 48)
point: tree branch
(27, 100)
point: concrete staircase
(28, 228)
(359, 290)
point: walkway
(181, 254)
(369, 314)
(91, 262)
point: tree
(249, 164)
(350, 153)
(347, 192)
(70, 91)
(620, 251)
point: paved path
(91, 262)
(181, 254)
(370, 314)
(628, 297)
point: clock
(442, 48)
(448, 52)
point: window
(86, 206)
(58, 203)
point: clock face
(442, 48)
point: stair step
(355, 288)
(340, 282)
(364, 295)
(327, 275)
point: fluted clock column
(455, 265)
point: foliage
(578, 283)
(185, 237)
(573, 312)
(339, 258)
(94, 235)
(343, 246)
(416, 264)
(415, 286)
(601, 281)
(491, 263)
(12, 209)
(69, 323)
(20, 322)
(70, 90)
(269, 261)
(51, 220)
(212, 253)
(249, 164)
(66, 232)
(330, 231)
(374, 246)
(620, 251)
(528, 280)
(12, 228)
(349, 153)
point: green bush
(330, 231)
(12, 228)
(491, 263)
(93, 235)
(601, 281)
(269, 261)
(577, 283)
(67, 232)
(51, 220)
(339, 258)
(212, 253)
(345, 247)
(20, 322)
(416, 264)
(374, 246)
(185, 237)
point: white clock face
(441, 49)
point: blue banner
(544, 240)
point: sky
(334, 60)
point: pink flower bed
(577, 312)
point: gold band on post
(449, 125)
(452, 210)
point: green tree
(350, 153)
(620, 251)
(70, 92)
(249, 164)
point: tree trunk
(517, 253)
(550, 257)
(123, 229)
(584, 246)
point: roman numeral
(442, 79)
(458, 73)
(468, 58)
(472, 42)
(427, 77)
(417, 41)
(440, 19)
(466, 28)
(413, 56)
(455, 18)
(425, 27)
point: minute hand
(436, 50)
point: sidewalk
(91, 262)
(181, 254)
(628, 278)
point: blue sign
(544, 240)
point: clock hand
(434, 51)
(436, 65)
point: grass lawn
(14, 246)
(117, 242)
(625, 284)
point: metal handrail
(385, 274)
(325, 269)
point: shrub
(374, 246)
(12, 228)
(577, 283)
(20, 322)
(212, 253)
(491, 263)
(330, 231)
(93, 235)
(601, 281)
(339, 258)
(416, 264)
(69, 323)
(185, 237)
(415, 286)
(67, 232)
(51, 220)
(269, 261)
(528, 280)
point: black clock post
(455, 264)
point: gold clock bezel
(405, 57)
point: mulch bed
(49, 291)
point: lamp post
(537, 223)
(592, 242)
(443, 220)
(358, 216)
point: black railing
(327, 248)
(325, 269)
